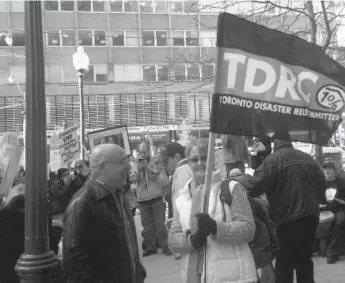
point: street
(163, 269)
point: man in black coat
(295, 185)
(99, 243)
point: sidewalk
(165, 269)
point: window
(177, 38)
(180, 73)
(193, 72)
(188, 38)
(152, 73)
(148, 38)
(100, 38)
(127, 73)
(176, 7)
(61, 38)
(154, 38)
(153, 6)
(192, 38)
(208, 38)
(149, 73)
(161, 37)
(53, 73)
(207, 71)
(51, 5)
(91, 5)
(68, 37)
(92, 38)
(185, 6)
(85, 37)
(146, 6)
(96, 73)
(124, 6)
(118, 38)
(162, 73)
(53, 37)
(132, 38)
(59, 5)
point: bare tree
(317, 21)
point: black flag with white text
(269, 83)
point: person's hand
(198, 239)
(206, 223)
(322, 205)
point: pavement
(165, 269)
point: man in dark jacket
(99, 243)
(335, 195)
(295, 186)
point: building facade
(152, 62)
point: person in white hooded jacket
(214, 246)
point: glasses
(196, 159)
(122, 162)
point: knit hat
(62, 171)
(173, 148)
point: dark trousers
(336, 231)
(153, 221)
(296, 248)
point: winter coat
(293, 182)
(96, 245)
(228, 256)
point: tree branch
(328, 28)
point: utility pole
(37, 263)
(313, 31)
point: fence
(104, 110)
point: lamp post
(81, 64)
(37, 262)
(8, 39)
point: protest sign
(68, 141)
(10, 154)
(55, 162)
(269, 83)
(116, 135)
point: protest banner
(269, 83)
(68, 141)
(115, 135)
(54, 153)
(10, 154)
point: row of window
(122, 73)
(127, 6)
(131, 38)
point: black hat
(329, 165)
(173, 148)
(61, 171)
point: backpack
(265, 242)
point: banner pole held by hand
(209, 168)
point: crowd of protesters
(274, 213)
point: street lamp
(81, 64)
(8, 39)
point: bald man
(99, 243)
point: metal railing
(104, 110)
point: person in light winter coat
(224, 231)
